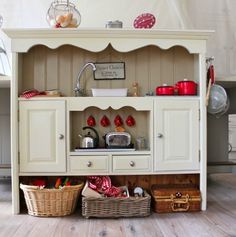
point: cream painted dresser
(45, 132)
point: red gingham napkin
(31, 93)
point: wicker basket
(116, 206)
(51, 202)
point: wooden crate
(175, 198)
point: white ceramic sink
(109, 92)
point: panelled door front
(176, 135)
(42, 136)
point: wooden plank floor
(218, 221)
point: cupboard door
(42, 136)
(176, 135)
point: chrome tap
(79, 91)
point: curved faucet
(79, 91)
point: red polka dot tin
(145, 20)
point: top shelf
(96, 40)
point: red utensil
(130, 121)
(105, 121)
(91, 121)
(118, 121)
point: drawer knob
(89, 163)
(131, 163)
(159, 135)
(61, 136)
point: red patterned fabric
(145, 20)
(102, 184)
(31, 93)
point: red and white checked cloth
(31, 93)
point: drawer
(88, 164)
(129, 164)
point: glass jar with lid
(63, 14)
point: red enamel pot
(165, 90)
(186, 87)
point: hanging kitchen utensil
(217, 101)
(63, 14)
(130, 121)
(91, 121)
(226, 108)
(118, 121)
(105, 121)
(210, 77)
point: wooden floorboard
(218, 221)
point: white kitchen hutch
(45, 130)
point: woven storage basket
(116, 206)
(51, 202)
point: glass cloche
(63, 14)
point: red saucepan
(165, 90)
(186, 87)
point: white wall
(95, 13)
(218, 15)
